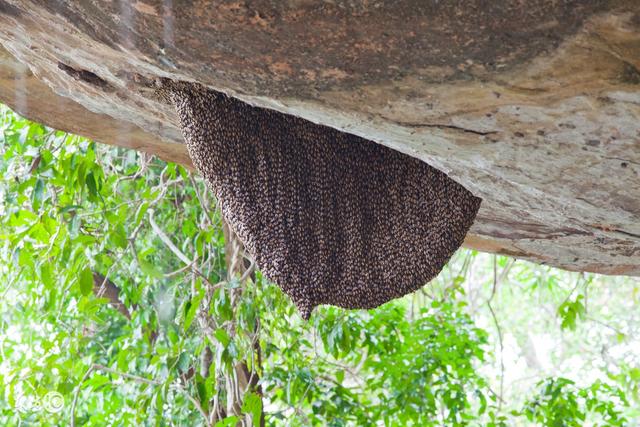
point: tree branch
(103, 287)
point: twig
(167, 241)
(197, 405)
(572, 289)
(144, 161)
(495, 321)
(606, 325)
(126, 375)
(155, 383)
(182, 269)
(77, 393)
(200, 198)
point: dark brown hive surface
(330, 217)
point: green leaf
(201, 388)
(228, 422)
(142, 209)
(38, 194)
(191, 309)
(86, 281)
(119, 237)
(90, 180)
(252, 405)
(150, 270)
(96, 381)
(222, 336)
(570, 311)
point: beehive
(330, 217)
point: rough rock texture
(533, 106)
(328, 216)
(25, 93)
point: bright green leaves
(381, 365)
(92, 186)
(191, 307)
(149, 269)
(431, 369)
(68, 211)
(221, 308)
(118, 236)
(222, 336)
(146, 262)
(336, 333)
(252, 405)
(140, 213)
(85, 280)
(561, 403)
(37, 194)
(571, 311)
(228, 421)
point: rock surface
(535, 106)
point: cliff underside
(533, 106)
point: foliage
(124, 292)
(561, 403)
